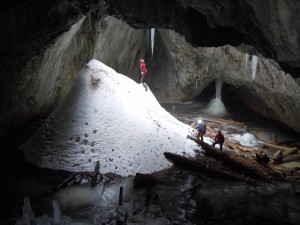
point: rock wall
(119, 46)
(272, 92)
(271, 26)
(46, 79)
(31, 94)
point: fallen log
(291, 158)
(293, 178)
(239, 147)
(223, 121)
(247, 167)
(289, 152)
(197, 166)
(280, 147)
(63, 185)
(211, 130)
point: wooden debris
(238, 147)
(95, 174)
(262, 158)
(224, 121)
(278, 156)
(197, 166)
(280, 147)
(247, 167)
(63, 185)
(291, 158)
(289, 152)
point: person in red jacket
(143, 70)
(219, 139)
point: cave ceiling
(272, 27)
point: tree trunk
(246, 166)
(280, 147)
(197, 166)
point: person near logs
(219, 139)
(201, 129)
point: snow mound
(110, 118)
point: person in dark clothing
(201, 128)
(219, 139)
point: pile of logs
(253, 162)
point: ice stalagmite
(216, 106)
(56, 212)
(110, 118)
(28, 217)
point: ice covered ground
(110, 118)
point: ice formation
(110, 118)
(216, 106)
(152, 39)
(249, 140)
(246, 60)
(218, 87)
(254, 65)
(28, 217)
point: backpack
(202, 127)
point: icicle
(90, 21)
(56, 212)
(152, 39)
(81, 42)
(75, 43)
(218, 87)
(27, 209)
(246, 60)
(253, 68)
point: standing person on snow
(201, 128)
(143, 70)
(219, 139)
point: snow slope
(110, 118)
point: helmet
(219, 131)
(141, 60)
(199, 121)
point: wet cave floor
(171, 196)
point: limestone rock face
(30, 95)
(273, 27)
(269, 90)
(119, 46)
(45, 80)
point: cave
(51, 48)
